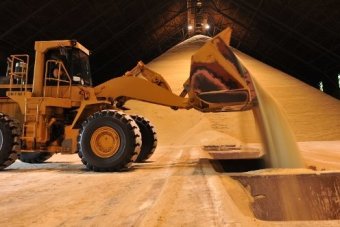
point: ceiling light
(321, 86)
(190, 27)
(207, 26)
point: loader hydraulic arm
(141, 83)
(141, 71)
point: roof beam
(250, 23)
(134, 44)
(302, 37)
(279, 47)
(3, 35)
(160, 7)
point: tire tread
(132, 126)
(13, 127)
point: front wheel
(9, 141)
(109, 140)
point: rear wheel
(149, 138)
(109, 140)
(35, 157)
(9, 141)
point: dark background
(299, 37)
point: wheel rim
(105, 142)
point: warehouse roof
(298, 37)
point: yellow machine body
(50, 107)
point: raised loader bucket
(218, 81)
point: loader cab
(71, 63)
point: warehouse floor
(178, 186)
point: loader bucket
(218, 81)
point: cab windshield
(76, 63)
(80, 66)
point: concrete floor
(177, 187)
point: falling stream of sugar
(278, 140)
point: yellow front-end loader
(59, 111)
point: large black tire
(149, 138)
(34, 157)
(9, 141)
(109, 140)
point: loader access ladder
(31, 119)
